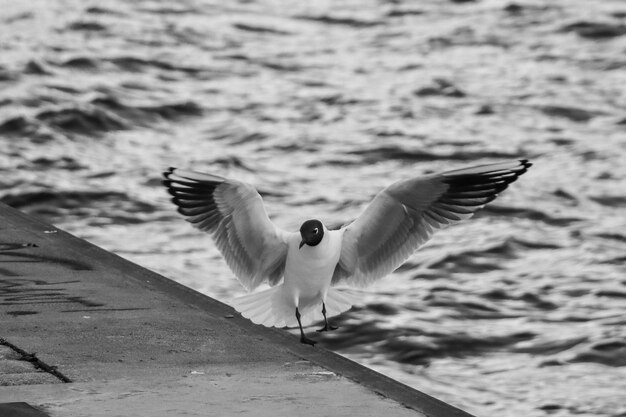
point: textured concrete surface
(135, 343)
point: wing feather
(232, 212)
(404, 216)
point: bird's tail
(272, 309)
(268, 307)
(339, 300)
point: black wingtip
(166, 174)
(169, 172)
(525, 163)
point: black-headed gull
(302, 267)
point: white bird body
(309, 270)
(303, 268)
(306, 285)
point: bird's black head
(312, 232)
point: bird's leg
(303, 338)
(327, 326)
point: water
(519, 311)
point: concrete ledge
(133, 342)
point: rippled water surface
(520, 311)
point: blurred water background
(520, 311)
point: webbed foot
(307, 341)
(327, 327)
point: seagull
(303, 268)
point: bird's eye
(316, 230)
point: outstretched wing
(404, 216)
(232, 212)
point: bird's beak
(301, 244)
